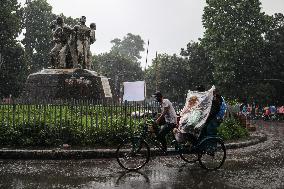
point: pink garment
(249, 109)
(267, 112)
(281, 110)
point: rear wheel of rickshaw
(212, 153)
(186, 150)
(187, 154)
(133, 153)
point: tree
(199, 66)
(13, 71)
(234, 37)
(121, 63)
(112, 65)
(38, 36)
(130, 46)
(11, 54)
(10, 23)
(169, 75)
(273, 70)
(118, 68)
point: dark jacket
(215, 108)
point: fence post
(125, 112)
(13, 114)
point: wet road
(258, 166)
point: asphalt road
(257, 166)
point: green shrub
(49, 125)
(39, 134)
(231, 129)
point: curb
(258, 138)
(60, 154)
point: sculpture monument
(72, 45)
(70, 75)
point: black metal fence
(86, 114)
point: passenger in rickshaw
(196, 117)
(189, 117)
(216, 115)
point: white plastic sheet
(203, 107)
(134, 91)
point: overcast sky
(168, 24)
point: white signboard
(134, 91)
(106, 87)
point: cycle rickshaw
(133, 153)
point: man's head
(216, 95)
(216, 92)
(158, 96)
(83, 19)
(93, 26)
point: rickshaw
(134, 153)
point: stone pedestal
(64, 84)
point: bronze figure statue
(72, 45)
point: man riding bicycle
(169, 114)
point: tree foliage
(169, 75)
(11, 53)
(130, 46)
(234, 38)
(121, 63)
(38, 37)
(175, 75)
(115, 65)
(199, 65)
(118, 68)
(12, 73)
(273, 69)
(10, 23)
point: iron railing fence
(84, 114)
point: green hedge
(231, 129)
(40, 135)
(52, 126)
